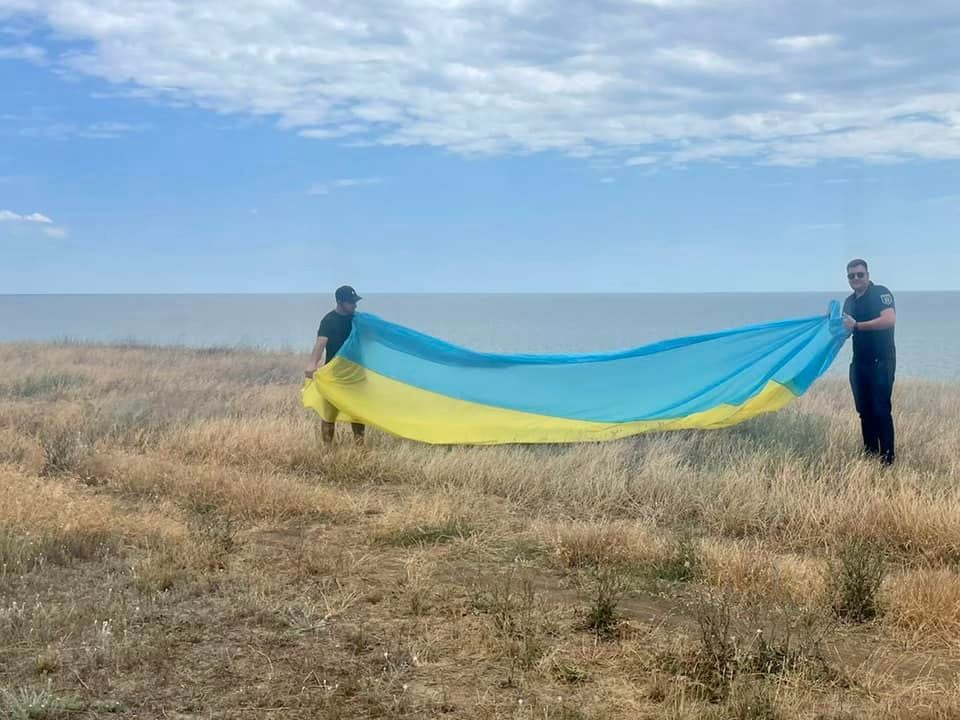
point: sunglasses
(858, 276)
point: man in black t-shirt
(870, 315)
(334, 330)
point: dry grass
(747, 567)
(925, 604)
(175, 542)
(43, 521)
(600, 543)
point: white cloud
(719, 149)
(326, 188)
(333, 132)
(673, 80)
(26, 52)
(33, 222)
(608, 180)
(10, 216)
(107, 130)
(707, 61)
(805, 42)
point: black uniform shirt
(871, 345)
(336, 328)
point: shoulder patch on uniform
(886, 299)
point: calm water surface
(928, 324)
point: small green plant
(440, 534)
(734, 646)
(854, 580)
(606, 586)
(683, 564)
(792, 649)
(35, 704)
(716, 663)
(569, 673)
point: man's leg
(328, 422)
(868, 429)
(883, 412)
(358, 432)
(859, 383)
(327, 431)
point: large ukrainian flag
(421, 388)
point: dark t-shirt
(871, 345)
(336, 328)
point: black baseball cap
(347, 294)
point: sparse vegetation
(36, 704)
(682, 562)
(39, 386)
(176, 542)
(855, 579)
(438, 534)
(605, 589)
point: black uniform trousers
(872, 383)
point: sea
(927, 334)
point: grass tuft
(605, 587)
(854, 581)
(449, 531)
(37, 704)
(43, 386)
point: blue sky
(477, 145)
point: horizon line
(441, 293)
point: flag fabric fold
(421, 388)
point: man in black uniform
(870, 315)
(333, 333)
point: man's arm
(316, 357)
(887, 319)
